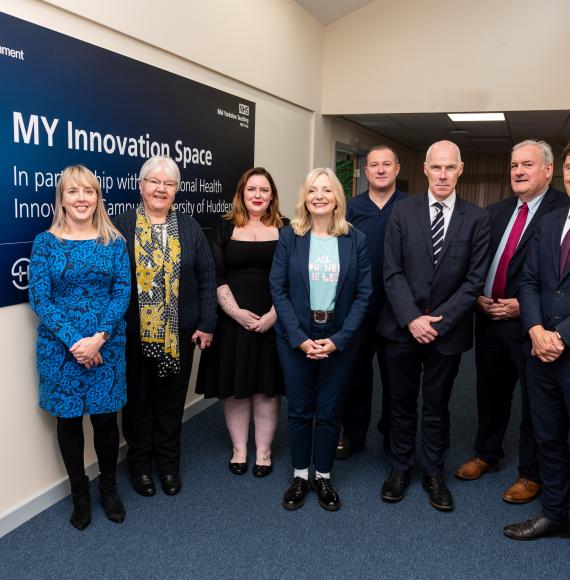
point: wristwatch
(104, 334)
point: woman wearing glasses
(79, 288)
(172, 308)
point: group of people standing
(301, 308)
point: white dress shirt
(448, 205)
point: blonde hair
(239, 215)
(80, 175)
(301, 222)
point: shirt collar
(533, 203)
(448, 202)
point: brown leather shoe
(474, 469)
(522, 491)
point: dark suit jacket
(197, 291)
(544, 297)
(289, 282)
(501, 213)
(450, 288)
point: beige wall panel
(448, 55)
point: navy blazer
(501, 213)
(450, 288)
(544, 296)
(290, 289)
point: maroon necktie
(500, 281)
(564, 253)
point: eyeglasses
(156, 183)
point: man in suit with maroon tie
(545, 314)
(498, 332)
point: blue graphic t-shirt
(324, 268)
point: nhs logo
(243, 109)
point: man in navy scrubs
(369, 212)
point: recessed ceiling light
(462, 117)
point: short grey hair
(160, 163)
(434, 145)
(545, 150)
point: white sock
(318, 474)
(304, 473)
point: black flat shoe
(171, 484)
(144, 485)
(238, 468)
(262, 470)
(439, 496)
(294, 497)
(538, 527)
(328, 496)
(394, 488)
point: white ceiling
(327, 11)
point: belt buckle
(319, 316)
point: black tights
(71, 443)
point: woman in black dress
(242, 367)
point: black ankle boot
(81, 514)
(112, 504)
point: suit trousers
(358, 405)
(316, 390)
(152, 417)
(412, 366)
(549, 392)
(500, 362)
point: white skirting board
(27, 510)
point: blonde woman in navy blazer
(320, 260)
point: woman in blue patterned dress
(80, 288)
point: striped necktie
(437, 231)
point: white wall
(448, 55)
(273, 45)
(283, 59)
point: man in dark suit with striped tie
(435, 260)
(499, 335)
(545, 313)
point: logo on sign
(20, 269)
(243, 109)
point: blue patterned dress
(77, 288)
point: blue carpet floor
(223, 526)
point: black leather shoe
(394, 488)
(345, 448)
(538, 527)
(144, 485)
(439, 496)
(262, 470)
(170, 483)
(238, 468)
(294, 497)
(328, 496)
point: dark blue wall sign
(63, 101)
